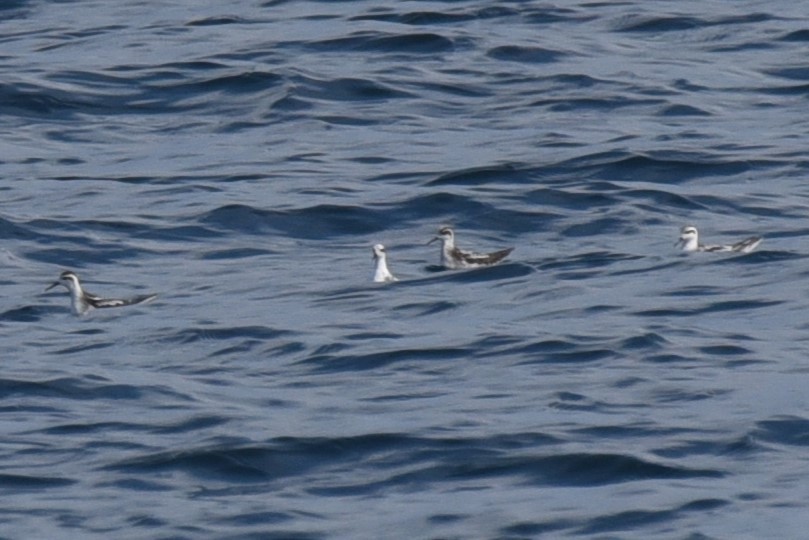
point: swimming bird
(83, 302)
(454, 258)
(381, 274)
(689, 241)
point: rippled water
(240, 159)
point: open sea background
(241, 158)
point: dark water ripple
(240, 161)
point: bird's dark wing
(748, 244)
(712, 248)
(487, 258)
(98, 302)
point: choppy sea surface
(241, 158)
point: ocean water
(240, 159)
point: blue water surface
(241, 158)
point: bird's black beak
(54, 284)
(433, 240)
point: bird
(455, 258)
(82, 302)
(381, 272)
(689, 241)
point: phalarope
(82, 301)
(689, 241)
(381, 274)
(454, 258)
